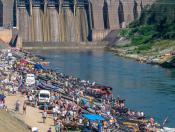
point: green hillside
(151, 38)
(156, 23)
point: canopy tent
(38, 66)
(2, 96)
(93, 117)
(23, 61)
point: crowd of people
(69, 97)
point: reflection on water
(145, 87)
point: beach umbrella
(38, 66)
(93, 117)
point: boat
(169, 63)
(103, 89)
(99, 91)
(43, 85)
(45, 63)
(167, 129)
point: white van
(43, 96)
(30, 79)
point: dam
(70, 21)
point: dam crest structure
(71, 21)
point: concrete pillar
(45, 6)
(128, 7)
(75, 6)
(90, 14)
(60, 5)
(97, 10)
(138, 8)
(30, 4)
(113, 14)
(7, 12)
(17, 15)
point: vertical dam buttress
(76, 21)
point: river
(145, 87)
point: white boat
(167, 129)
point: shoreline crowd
(74, 104)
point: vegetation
(156, 23)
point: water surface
(146, 87)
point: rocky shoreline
(148, 59)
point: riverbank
(130, 79)
(70, 87)
(157, 53)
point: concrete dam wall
(51, 23)
(73, 20)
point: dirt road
(33, 116)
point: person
(35, 101)
(57, 128)
(138, 114)
(54, 114)
(80, 121)
(93, 84)
(24, 108)
(113, 103)
(78, 100)
(17, 105)
(34, 129)
(142, 114)
(91, 101)
(1, 104)
(122, 104)
(66, 83)
(30, 98)
(151, 121)
(50, 130)
(73, 99)
(85, 122)
(45, 106)
(44, 116)
(100, 127)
